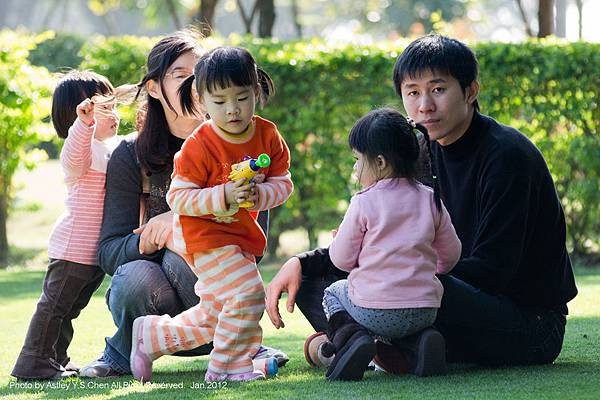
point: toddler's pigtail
(186, 97)
(436, 185)
(267, 88)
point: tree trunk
(174, 16)
(248, 19)
(561, 18)
(266, 18)
(272, 246)
(313, 237)
(4, 7)
(206, 16)
(524, 18)
(546, 18)
(49, 14)
(295, 14)
(3, 235)
(579, 4)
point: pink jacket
(84, 161)
(393, 241)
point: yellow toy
(248, 169)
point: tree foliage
(548, 90)
(26, 92)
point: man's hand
(287, 280)
(156, 233)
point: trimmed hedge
(547, 89)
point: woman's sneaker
(99, 368)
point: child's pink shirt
(84, 161)
(393, 241)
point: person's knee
(141, 287)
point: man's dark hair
(440, 54)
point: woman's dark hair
(387, 132)
(154, 147)
(437, 53)
(72, 88)
(224, 67)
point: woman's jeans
(141, 288)
(478, 327)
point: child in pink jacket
(395, 237)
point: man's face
(437, 101)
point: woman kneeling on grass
(136, 246)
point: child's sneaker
(139, 361)
(268, 352)
(245, 377)
(211, 376)
(312, 350)
(268, 366)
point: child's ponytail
(186, 98)
(267, 88)
(436, 185)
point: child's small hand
(259, 178)
(237, 192)
(85, 111)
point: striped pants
(232, 301)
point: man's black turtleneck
(504, 207)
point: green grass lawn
(575, 375)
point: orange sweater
(197, 192)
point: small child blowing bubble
(84, 114)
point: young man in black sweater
(505, 302)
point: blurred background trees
(320, 52)
(506, 20)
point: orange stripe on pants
(230, 308)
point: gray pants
(384, 323)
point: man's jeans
(478, 327)
(494, 330)
(146, 288)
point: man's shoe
(99, 368)
(422, 354)
(312, 350)
(268, 352)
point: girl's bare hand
(85, 111)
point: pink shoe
(211, 376)
(139, 361)
(246, 376)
